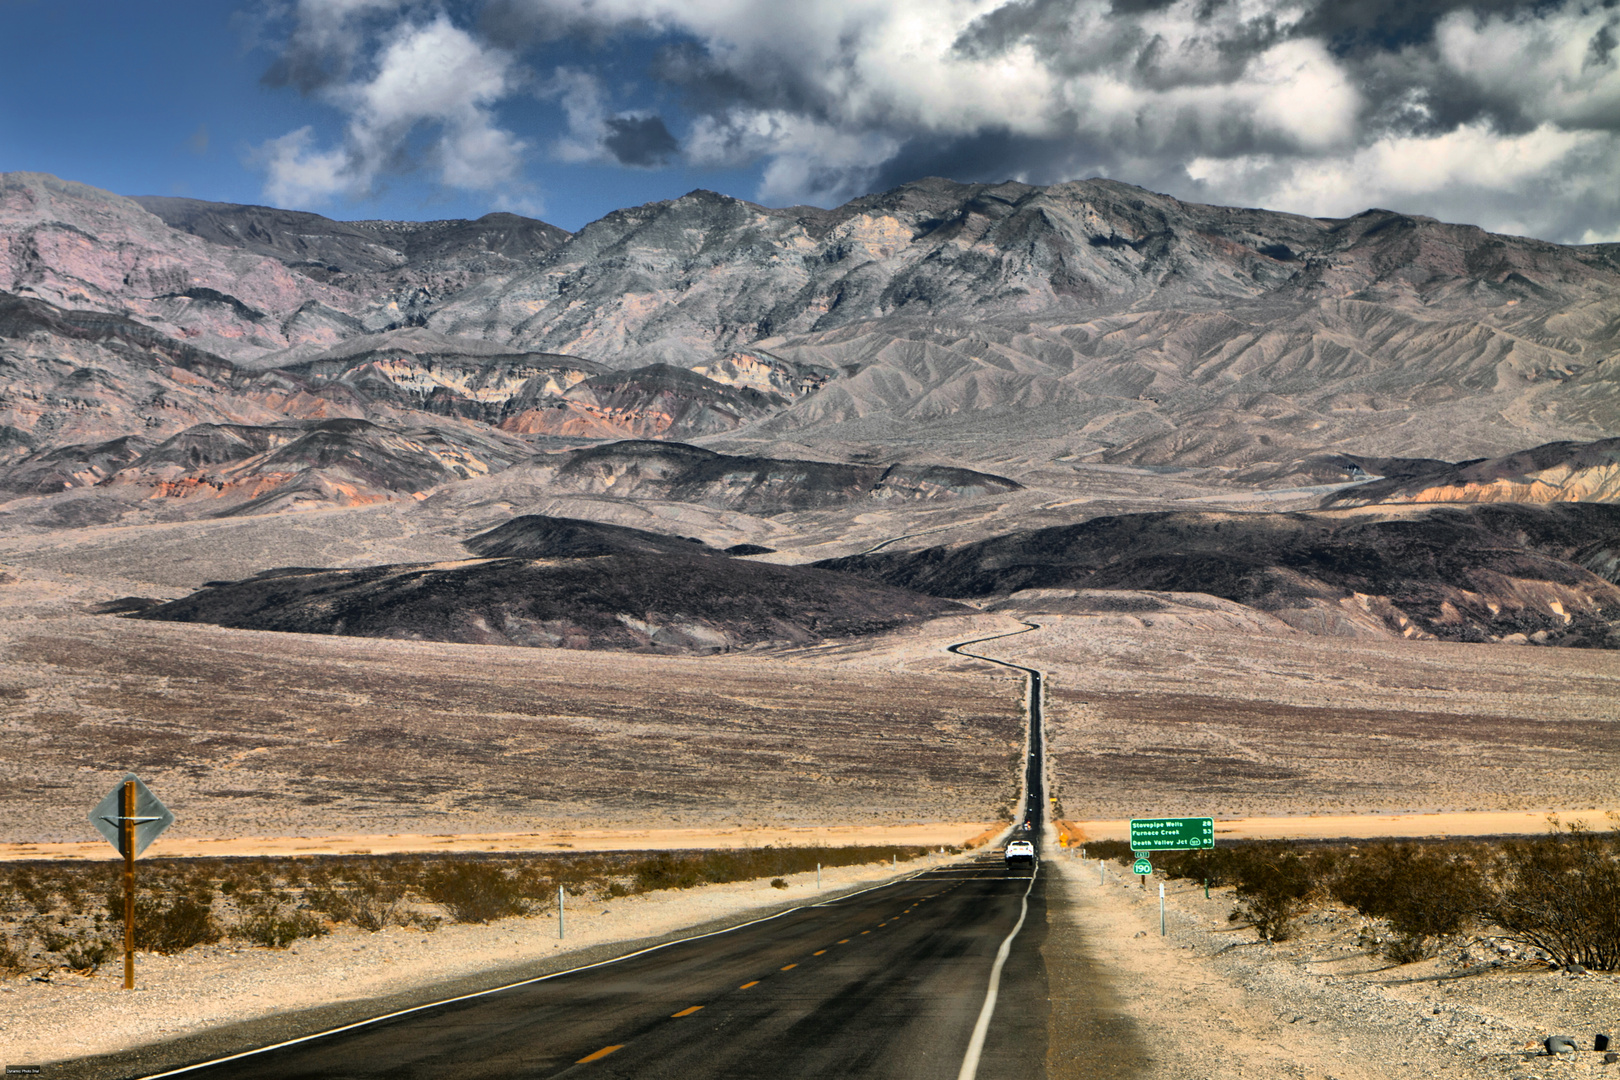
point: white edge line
(970, 1061)
(509, 986)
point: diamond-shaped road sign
(151, 816)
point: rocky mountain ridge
(1012, 327)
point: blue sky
(1494, 112)
(168, 99)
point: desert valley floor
(251, 733)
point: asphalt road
(891, 983)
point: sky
(1499, 113)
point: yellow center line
(602, 1053)
(685, 1012)
(746, 985)
(844, 942)
(790, 967)
(818, 952)
(866, 931)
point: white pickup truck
(1020, 851)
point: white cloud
(584, 104)
(1548, 65)
(1543, 182)
(1509, 119)
(432, 75)
(298, 175)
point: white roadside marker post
(1161, 909)
(559, 912)
(818, 875)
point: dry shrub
(1426, 895)
(683, 870)
(12, 960)
(474, 892)
(1217, 866)
(167, 928)
(367, 900)
(273, 928)
(1275, 885)
(85, 950)
(1109, 851)
(1561, 894)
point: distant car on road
(1020, 851)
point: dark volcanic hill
(537, 536)
(644, 602)
(1473, 573)
(755, 485)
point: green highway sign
(1142, 867)
(1172, 834)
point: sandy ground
(73, 1016)
(932, 834)
(1209, 1001)
(1177, 721)
(248, 734)
(1368, 826)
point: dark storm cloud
(1504, 109)
(322, 42)
(639, 141)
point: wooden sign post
(130, 817)
(129, 884)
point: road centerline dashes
(685, 1012)
(602, 1053)
(746, 985)
(789, 967)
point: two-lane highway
(937, 975)
(888, 983)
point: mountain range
(942, 361)
(1106, 321)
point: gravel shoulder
(1210, 999)
(222, 999)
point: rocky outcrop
(1481, 573)
(325, 249)
(755, 485)
(657, 401)
(75, 246)
(219, 469)
(398, 269)
(1555, 472)
(76, 377)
